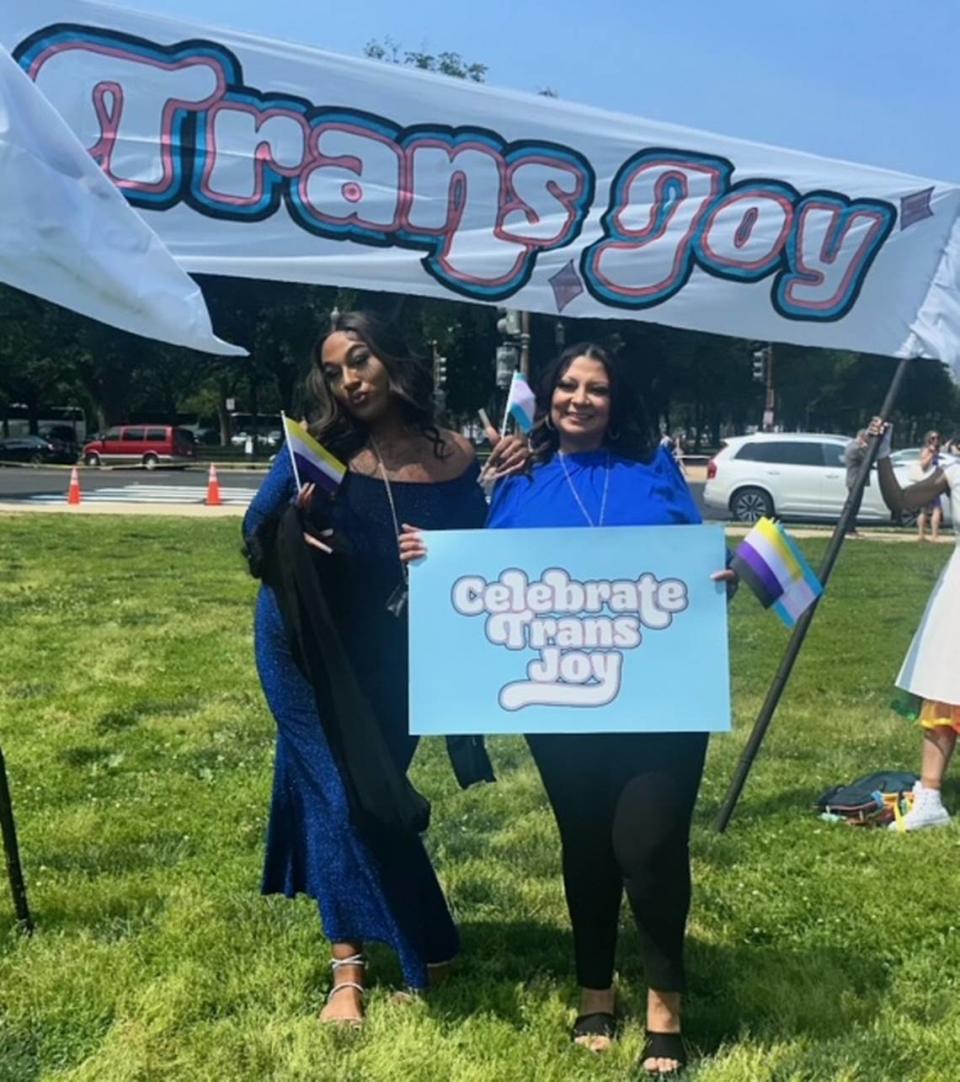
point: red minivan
(142, 445)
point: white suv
(794, 475)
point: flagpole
(11, 850)
(506, 408)
(293, 457)
(803, 624)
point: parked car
(793, 475)
(36, 449)
(270, 438)
(208, 437)
(142, 445)
(66, 434)
(910, 456)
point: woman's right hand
(411, 544)
(316, 543)
(304, 500)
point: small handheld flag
(312, 462)
(772, 565)
(521, 404)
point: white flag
(67, 234)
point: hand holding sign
(411, 544)
(568, 631)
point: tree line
(690, 381)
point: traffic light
(439, 372)
(508, 361)
(509, 324)
(760, 366)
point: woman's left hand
(411, 544)
(510, 455)
(726, 575)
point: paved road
(183, 491)
(36, 485)
(46, 486)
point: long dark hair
(628, 433)
(411, 384)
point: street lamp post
(763, 373)
(525, 345)
(769, 405)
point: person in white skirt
(930, 674)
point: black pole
(12, 852)
(803, 624)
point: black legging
(623, 803)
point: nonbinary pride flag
(521, 403)
(770, 563)
(312, 462)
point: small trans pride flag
(312, 462)
(521, 404)
(770, 563)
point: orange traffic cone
(73, 492)
(213, 488)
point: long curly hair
(411, 385)
(628, 433)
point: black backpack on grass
(868, 800)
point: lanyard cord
(576, 495)
(393, 507)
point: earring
(613, 434)
(548, 420)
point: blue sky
(872, 81)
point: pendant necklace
(576, 495)
(397, 601)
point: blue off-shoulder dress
(367, 888)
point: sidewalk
(201, 510)
(865, 533)
(189, 510)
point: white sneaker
(927, 811)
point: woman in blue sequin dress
(402, 469)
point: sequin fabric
(366, 888)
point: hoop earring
(613, 434)
(548, 420)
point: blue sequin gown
(366, 889)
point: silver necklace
(397, 601)
(576, 495)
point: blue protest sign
(569, 631)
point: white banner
(260, 159)
(66, 233)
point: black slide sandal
(664, 1046)
(598, 1024)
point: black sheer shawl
(380, 794)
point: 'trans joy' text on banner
(261, 159)
(574, 630)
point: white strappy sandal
(339, 963)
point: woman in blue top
(372, 411)
(623, 802)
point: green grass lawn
(139, 749)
